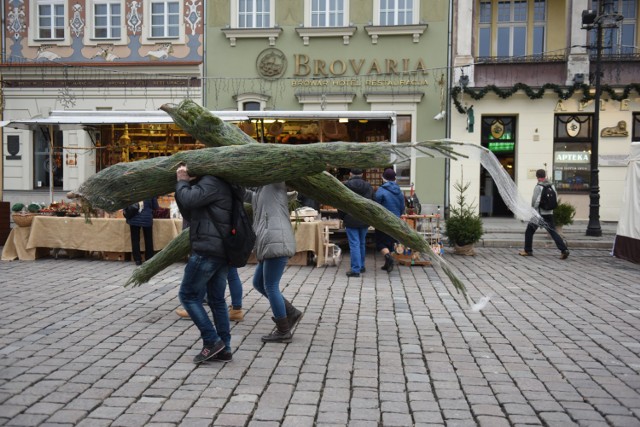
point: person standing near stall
(391, 197)
(356, 229)
(143, 220)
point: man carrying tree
(544, 200)
(203, 200)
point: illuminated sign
(572, 157)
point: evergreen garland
(563, 93)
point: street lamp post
(603, 18)
(593, 228)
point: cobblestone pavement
(557, 345)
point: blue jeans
(266, 280)
(531, 229)
(357, 243)
(204, 275)
(235, 287)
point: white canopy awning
(65, 119)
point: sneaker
(224, 356)
(363, 270)
(525, 253)
(564, 255)
(352, 274)
(182, 313)
(236, 315)
(208, 352)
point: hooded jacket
(144, 218)
(537, 193)
(274, 234)
(391, 197)
(201, 202)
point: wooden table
(106, 235)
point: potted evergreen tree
(464, 225)
(563, 215)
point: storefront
(123, 136)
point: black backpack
(548, 198)
(130, 211)
(239, 243)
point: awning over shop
(68, 120)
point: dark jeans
(531, 229)
(266, 280)
(204, 275)
(235, 287)
(135, 242)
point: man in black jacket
(201, 201)
(356, 229)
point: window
(572, 152)
(511, 28)
(396, 12)
(328, 13)
(107, 18)
(51, 19)
(44, 160)
(635, 136)
(254, 13)
(165, 19)
(621, 39)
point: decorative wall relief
(76, 23)
(44, 53)
(619, 130)
(160, 53)
(134, 22)
(16, 22)
(193, 17)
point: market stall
(110, 238)
(106, 236)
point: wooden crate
(413, 259)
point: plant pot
(23, 220)
(464, 250)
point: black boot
(388, 263)
(282, 332)
(293, 314)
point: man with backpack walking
(206, 202)
(544, 200)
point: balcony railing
(520, 59)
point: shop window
(636, 127)
(43, 153)
(107, 19)
(506, 26)
(498, 135)
(572, 152)
(403, 170)
(50, 19)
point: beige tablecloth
(101, 235)
(309, 238)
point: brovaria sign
(272, 64)
(307, 67)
